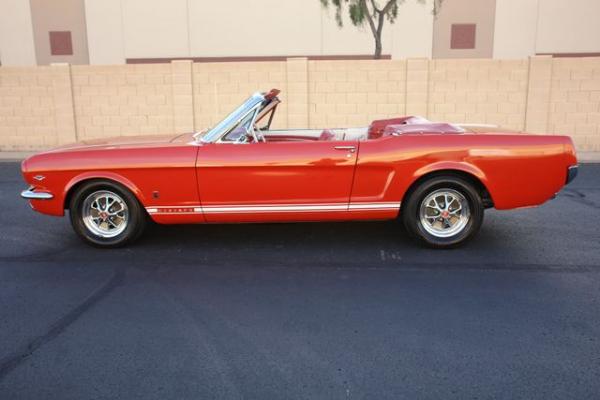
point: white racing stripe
(373, 206)
(273, 208)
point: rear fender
(451, 165)
(455, 166)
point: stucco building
(40, 32)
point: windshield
(215, 133)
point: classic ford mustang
(437, 178)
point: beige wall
(59, 15)
(36, 107)
(412, 33)
(41, 107)
(155, 28)
(483, 90)
(342, 93)
(114, 30)
(254, 30)
(122, 100)
(526, 27)
(16, 33)
(104, 21)
(480, 12)
(218, 88)
(121, 29)
(515, 28)
(568, 26)
(575, 100)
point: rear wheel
(443, 212)
(105, 214)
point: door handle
(351, 149)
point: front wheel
(105, 214)
(443, 211)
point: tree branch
(388, 6)
(363, 3)
(375, 9)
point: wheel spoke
(105, 213)
(444, 212)
(117, 211)
(453, 212)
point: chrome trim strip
(31, 195)
(368, 206)
(270, 208)
(275, 208)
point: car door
(274, 181)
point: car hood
(125, 141)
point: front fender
(102, 175)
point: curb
(14, 156)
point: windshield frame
(222, 128)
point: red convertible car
(437, 178)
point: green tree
(375, 15)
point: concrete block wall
(119, 100)
(220, 87)
(574, 105)
(478, 91)
(342, 93)
(28, 110)
(42, 107)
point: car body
(242, 171)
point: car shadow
(370, 244)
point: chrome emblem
(39, 178)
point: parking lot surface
(286, 311)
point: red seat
(327, 135)
(377, 127)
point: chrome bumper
(31, 195)
(572, 173)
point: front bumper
(572, 173)
(30, 194)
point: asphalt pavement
(311, 311)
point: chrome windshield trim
(31, 195)
(215, 133)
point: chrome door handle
(351, 149)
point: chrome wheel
(105, 213)
(444, 213)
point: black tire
(411, 211)
(135, 219)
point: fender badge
(39, 178)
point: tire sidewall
(134, 224)
(412, 220)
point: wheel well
(477, 184)
(73, 189)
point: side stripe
(273, 208)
